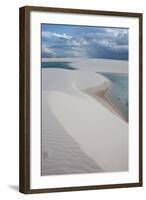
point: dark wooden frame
(24, 99)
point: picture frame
(120, 35)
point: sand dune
(101, 134)
(61, 154)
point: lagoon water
(118, 93)
(59, 65)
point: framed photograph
(80, 99)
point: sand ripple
(61, 154)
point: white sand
(101, 134)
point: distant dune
(97, 65)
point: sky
(84, 42)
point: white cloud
(50, 34)
(46, 34)
(75, 43)
(48, 50)
(117, 33)
(112, 45)
(64, 35)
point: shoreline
(99, 93)
(115, 107)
